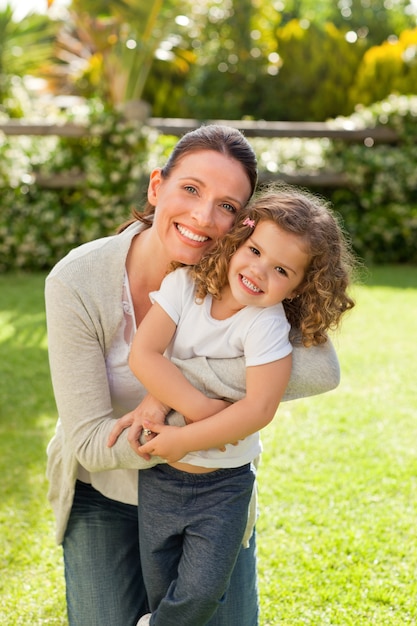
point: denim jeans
(190, 534)
(104, 583)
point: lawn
(337, 483)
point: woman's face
(197, 203)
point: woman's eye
(229, 207)
(190, 188)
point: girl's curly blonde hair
(322, 295)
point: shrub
(37, 225)
(318, 68)
(380, 205)
(387, 69)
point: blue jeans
(190, 534)
(104, 583)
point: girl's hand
(166, 443)
(149, 408)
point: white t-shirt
(258, 334)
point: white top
(258, 334)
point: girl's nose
(258, 268)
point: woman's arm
(80, 383)
(265, 385)
(315, 370)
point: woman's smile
(191, 235)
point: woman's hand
(149, 408)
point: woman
(95, 298)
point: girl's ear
(293, 296)
(154, 183)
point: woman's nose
(203, 213)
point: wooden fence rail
(177, 127)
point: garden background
(338, 477)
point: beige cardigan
(83, 296)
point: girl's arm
(162, 378)
(265, 386)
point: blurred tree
(106, 49)
(26, 47)
(288, 59)
(231, 51)
(373, 20)
(370, 19)
(390, 68)
(318, 69)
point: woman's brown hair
(216, 137)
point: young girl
(284, 263)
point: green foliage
(286, 61)
(298, 71)
(38, 226)
(106, 49)
(317, 68)
(372, 20)
(337, 480)
(379, 206)
(223, 82)
(390, 68)
(25, 48)
(210, 60)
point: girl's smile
(265, 270)
(249, 285)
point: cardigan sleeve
(315, 370)
(79, 379)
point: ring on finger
(147, 432)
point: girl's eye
(281, 270)
(254, 250)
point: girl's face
(267, 268)
(197, 203)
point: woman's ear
(155, 180)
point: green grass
(338, 480)
(31, 582)
(337, 483)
